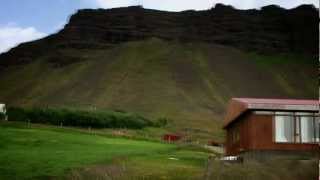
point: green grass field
(37, 151)
(42, 152)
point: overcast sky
(26, 20)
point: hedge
(79, 118)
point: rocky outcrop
(269, 30)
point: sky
(27, 20)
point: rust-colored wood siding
(234, 148)
(256, 133)
(230, 147)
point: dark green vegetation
(2, 116)
(41, 152)
(92, 119)
(187, 83)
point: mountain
(184, 66)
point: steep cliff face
(269, 30)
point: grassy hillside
(188, 83)
(43, 152)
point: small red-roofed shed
(171, 137)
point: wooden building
(272, 126)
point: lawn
(41, 152)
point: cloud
(11, 35)
(179, 5)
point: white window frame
(297, 135)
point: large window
(296, 127)
(317, 129)
(284, 127)
(307, 126)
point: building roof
(238, 106)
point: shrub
(161, 122)
(80, 118)
(2, 116)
